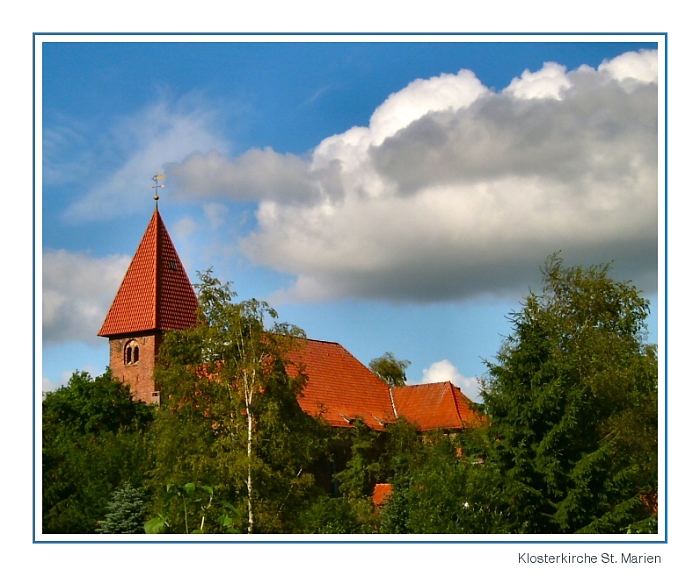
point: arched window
(131, 353)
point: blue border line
(350, 34)
(666, 286)
(34, 374)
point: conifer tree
(125, 512)
(572, 399)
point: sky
(396, 195)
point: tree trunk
(249, 482)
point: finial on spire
(157, 178)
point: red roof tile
(340, 388)
(436, 405)
(382, 493)
(156, 293)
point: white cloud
(255, 175)
(184, 227)
(549, 82)
(76, 294)
(48, 385)
(642, 66)
(140, 145)
(452, 190)
(215, 213)
(421, 97)
(445, 371)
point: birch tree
(227, 378)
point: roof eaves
(382, 423)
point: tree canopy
(93, 440)
(230, 417)
(572, 399)
(390, 369)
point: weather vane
(157, 178)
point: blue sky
(390, 196)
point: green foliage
(339, 515)
(93, 440)
(439, 486)
(186, 508)
(389, 369)
(125, 512)
(362, 470)
(92, 406)
(230, 416)
(357, 456)
(572, 398)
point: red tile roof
(340, 388)
(156, 293)
(382, 493)
(436, 405)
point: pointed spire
(156, 293)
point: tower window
(131, 353)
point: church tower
(155, 296)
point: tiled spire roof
(156, 293)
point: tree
(572, 400)
(93, 440)
(389, 369)
(125, 512)
(437, 481)
(191, 504)
(231, 419)
(336, 515)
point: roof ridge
(454, 400)
(393, 403)
(156, 268)
(443, 382)
(323, 341)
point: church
(156, 295)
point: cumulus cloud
(76, 293)
(642, 66)
(255, 175)
(453, 190)
(445, 371)
(140, 144)
(549, 82)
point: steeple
(156, 293)
(155, 296)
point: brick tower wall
(132, 360)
